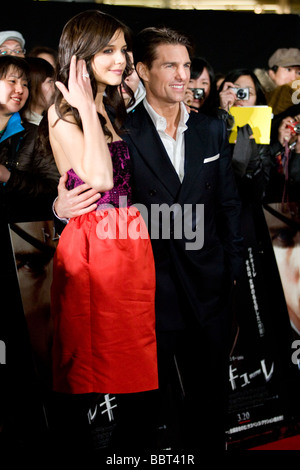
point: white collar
(160, 122)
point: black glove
(245, 154)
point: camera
(295, 127)
(198, 93)
(241, 93)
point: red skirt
(102, 303)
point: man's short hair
(147, 41)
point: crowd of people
(94, 136)
(28, 173)
(210, 92)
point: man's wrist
(63, 219)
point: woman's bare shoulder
(52, 115)
(55, 120)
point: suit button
(152, 192)
(207, 186)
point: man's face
(34, 267)
(168, 78)
(12, 47)
(286, 244)
(284, 75)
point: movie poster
(34, 245)
(263, 371)
(23, 422)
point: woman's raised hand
(227, 96)
(79, 91)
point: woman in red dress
(103, 280)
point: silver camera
(241, 93)
(198, 93)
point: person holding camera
(284, 183)
(202, 91)
(239, 88)
(251, 161)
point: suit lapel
(195, 151)
(145, 138)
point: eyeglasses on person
(6, 51)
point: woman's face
(13, 91)
(109, 63)
(245, 81)
(286, 244)
(203, 81)
(47, 89)
(48, 57)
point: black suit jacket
(188, 280)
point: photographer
(284, 185)
(251, 161)
(202, 91)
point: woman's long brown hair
(85, 35)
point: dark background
(226, 39)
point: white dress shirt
(174, 147)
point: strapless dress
(102, 295)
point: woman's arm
(86, 151)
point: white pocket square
(211, 159)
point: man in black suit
(183, 178)
(184, 159)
